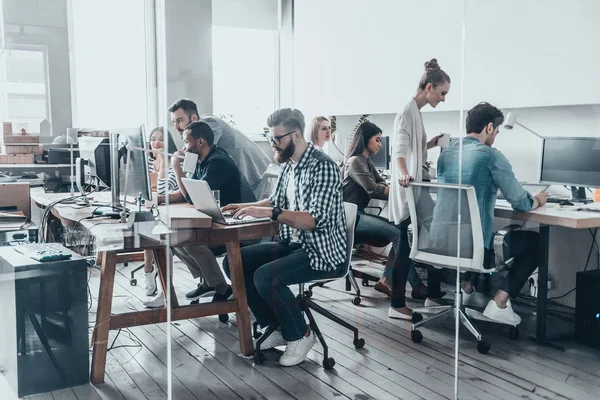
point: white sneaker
(157, 301)
(474, 299)
(502, 315)
(274, 340)
(296, 351)
(150, 282)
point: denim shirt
(487, 170)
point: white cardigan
(410, 143)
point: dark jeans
(378, 227)
(268, 270)
(399, 260)
(524, 247)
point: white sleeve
(402, 135)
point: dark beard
(285, 154)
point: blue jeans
(374, 226)
(268, 270)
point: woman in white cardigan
(408, 164)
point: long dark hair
(363, 134)
(171, 147)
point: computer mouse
(565, 203)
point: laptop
(200, 193)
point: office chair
(352, 275)
(434, 240)
(306, 304)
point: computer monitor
(134, 167)
(450, 143)
(381, 160)
(95, 151)
(572, 161)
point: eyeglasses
(277, 139)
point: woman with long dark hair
(361, 183)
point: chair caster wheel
(416, 336)
(356, 301)
(197, 301)
(328, 363)
(359, 343)
(483, 347)
(224, 318)
(133, 282)
(514, 333)
(417, 317)
(308, 294)
(365, 282)
(259, 358)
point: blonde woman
(408, 164)
(320, 132)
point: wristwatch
(275, 211)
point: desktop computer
(587, 308)
(571, 161)
(381, 160)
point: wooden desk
(547, 216)
(216, 235)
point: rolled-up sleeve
(358, 170)
(504, 177)
(326, 189)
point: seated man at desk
(307, 201)
(251, 160)
(488, 170)
(221, 173)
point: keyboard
(556, 199)
(44, 251)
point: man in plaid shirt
(308, 203)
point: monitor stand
(578, 194)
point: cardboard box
(22, 149)
(183, 216)
(20, 139)
(16, 194)
(7, 128)
(16, 158)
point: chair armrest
(377, 208)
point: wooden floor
(206, 363)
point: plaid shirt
(318, 191)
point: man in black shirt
(221, 173)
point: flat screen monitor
(573, 161)
(134, 167)
(96, 153)
(381, 160)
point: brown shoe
(380, 287)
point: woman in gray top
(362, 183)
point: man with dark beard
(307, 202)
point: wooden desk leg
(160, 256)
(239, 293)
(102, 327)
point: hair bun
(432, 65)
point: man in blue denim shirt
(488, 170)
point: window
(244, 76)
(25, 97)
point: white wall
(45, 24)
(355, 59)
(255, 14)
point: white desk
(547, 216)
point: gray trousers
(201, 262)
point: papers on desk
(12, 220)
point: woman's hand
(176, 162)
(433, 142)
(404, 180)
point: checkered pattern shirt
(318, 191)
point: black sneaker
(223, 297)
(199, 291)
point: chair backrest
(350, 210)
(441, 214)
(267, 182)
